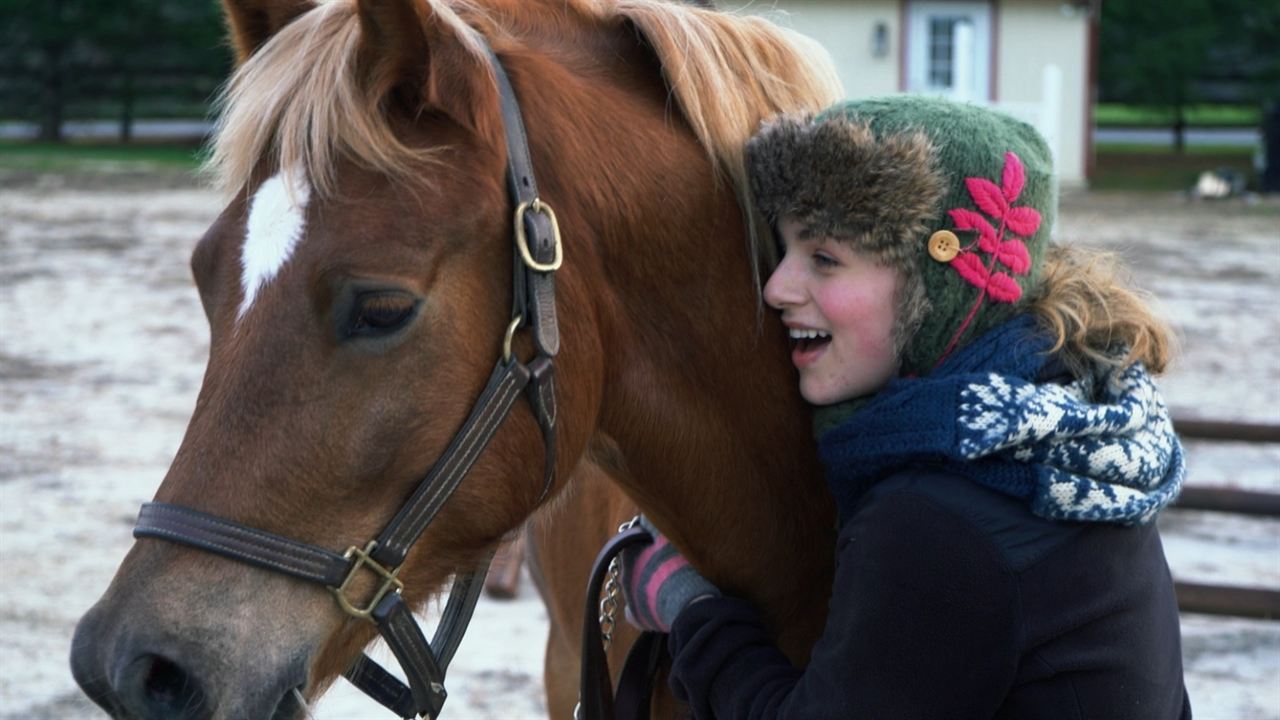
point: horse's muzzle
(146, 676)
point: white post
(1050, 120)
(962, 61)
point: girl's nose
(783, 288)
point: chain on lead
(608, 614)
(609, 603)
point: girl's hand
(658, 583)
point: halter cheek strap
(538, 253)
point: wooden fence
(1237, 601)
(103, 93)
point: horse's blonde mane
(300, 100)
(729, 73)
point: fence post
(962, 62)
(126, 106)
(1050, 120)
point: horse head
(358, 288)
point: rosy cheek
(866, 316)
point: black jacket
(951, 600)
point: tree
(35, 44)
(55, 54)
(1172, 53)
(1153, 53)
(1246, 44)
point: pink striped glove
(658, 583)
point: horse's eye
(380, 313)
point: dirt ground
(103, 343)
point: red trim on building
(1094, 8)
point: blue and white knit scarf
(1101, 448)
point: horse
(357, 286)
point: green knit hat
(959, 198)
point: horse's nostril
(167, 684)
(156, 687)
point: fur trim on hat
(835, 177)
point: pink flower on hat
(1003, 245)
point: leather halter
(538, 254)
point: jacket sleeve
(923, 622)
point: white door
(949, 49)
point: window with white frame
(949, 49)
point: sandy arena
(102, 351)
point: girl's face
(838, 306)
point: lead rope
(608, 605)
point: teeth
(797, 334)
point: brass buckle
(522, 241)
(389, 581)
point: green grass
(1121, 167)
(63, 157)
(1118, 115)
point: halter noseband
(538, 255)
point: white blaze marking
(277, 217)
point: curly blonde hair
(1086, 300)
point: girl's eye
(380, 313)
(824, 261)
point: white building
(1034, 59)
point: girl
(993, 441)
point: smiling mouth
(807, 345)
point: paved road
(1207, 136)
(172, 130)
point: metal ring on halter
(511, 333)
